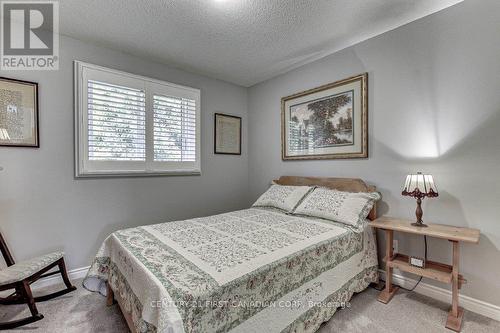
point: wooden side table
(433, 270)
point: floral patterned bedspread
(252, 270)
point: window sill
(122, 174)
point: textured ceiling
(240, 41)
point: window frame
(86, 168)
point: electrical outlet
(395, 245)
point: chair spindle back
(5, 252)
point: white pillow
(344, 207)
(283, 197)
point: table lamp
(419, 186)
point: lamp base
(419, 212)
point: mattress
(253, 270)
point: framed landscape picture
(18, 113)
(227, 134)
(328, 122)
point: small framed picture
(18, 113)
(227, 134)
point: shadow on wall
(425, 151)
(468, 171)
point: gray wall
(434, 106)
(42, 206)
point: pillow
(283, 197)
(344, 207)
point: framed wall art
(227, 134)
(327, 122)
(18, 113)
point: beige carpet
(82, 311)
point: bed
(253, 270)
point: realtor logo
(30, 35)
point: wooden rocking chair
(21, 275)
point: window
(127, 124)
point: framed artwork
(18, 113)
(227, 134)
(327, 122)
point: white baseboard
(74, 274)
(483, 308)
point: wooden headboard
(341, 184)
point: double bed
(252, 270)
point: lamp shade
(420, 185)
(4, 135)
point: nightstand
(432, 270)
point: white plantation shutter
(174, 129)
(116, 122)
(128, 124)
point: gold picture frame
(327, 122)
(19, 113)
